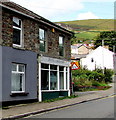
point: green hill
(87, 30)
(91, 24)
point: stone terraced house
(34, 56)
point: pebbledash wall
(30, 55)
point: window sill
(64, 90)
(50, 90)
(42, 53)
(18, 47)
(53, 90)
(19, 94)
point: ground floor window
(18, 78)
(67, 75)
(54, 77)
(61, 78)
(53, 80)
(45, 79)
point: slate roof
(21, 10)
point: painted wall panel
(0, 73)
(28, 58)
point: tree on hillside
(109, 39)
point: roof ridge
(22, 10)
(11, 3)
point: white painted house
(98, 58)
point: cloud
(59, 10)
(87, 15)
(51, 8)
(98, 1)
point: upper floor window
(61, 46)
(17, 32)
(42, 38)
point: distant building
(79, 51)
(98, 58)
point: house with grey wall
(34, 56)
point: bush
(82, 82)
(96, 76)
(108, 75)
(95, 83)
(84, 78)
(80, 72)
(99, 70)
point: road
(102, 108)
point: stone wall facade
(31, 35)
(27, 52)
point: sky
(68, 10)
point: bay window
(45, 76)
(67, 78)
(61, 77)
(52, 77)
(18, 78)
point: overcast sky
(67, 10)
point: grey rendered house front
(34, 56)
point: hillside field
(88, 29)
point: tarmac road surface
(102, 108)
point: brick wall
(30, 35)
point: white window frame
(18, 72)
(51, 70)
(67, 77)
(63, 77)
(18, 28)
(44, 40)
(66, 88)
(61, 45)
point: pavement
(24, 110)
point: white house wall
(74, 49)
(102, 58)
